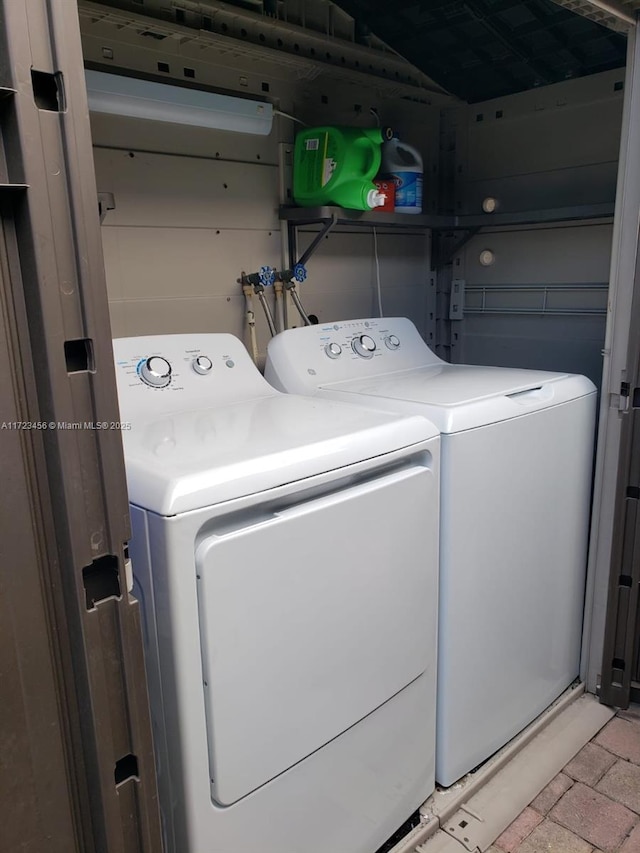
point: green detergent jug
(336, 165)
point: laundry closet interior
(506, 269)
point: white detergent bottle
(403, 163)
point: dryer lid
(460, 396)
(188, 460)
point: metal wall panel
(546, 344)
(179, 263)
(541, 303)
(550, 147)
(344, 275)
(542, 300)
(562, 254)
(188, 192)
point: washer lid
(188, 460)
(461, 396)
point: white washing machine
(516, 460)
(287, 573)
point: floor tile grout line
(618, 811)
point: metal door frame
(611, 608)
(80, 775)
(620, 677)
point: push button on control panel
(155, 371)
(392, 342)
(202, 365)
(333, 350)
(364, 346)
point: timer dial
(364, 346)
(156, 371)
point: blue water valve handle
(300, 273)
(266, 276)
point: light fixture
(490, 204)
(130, 96)
(486, 257)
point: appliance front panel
(312, 616)
(515, 517)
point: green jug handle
(373, 150)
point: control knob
(156, 371)
(392, 342)
(202, 365)
(364, 346)
(333, 350)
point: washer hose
(298, 304)
(267, 312)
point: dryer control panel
(170, 373)
(304, 359)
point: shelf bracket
(442, 257)
(328, 225)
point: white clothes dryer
(287, 575)
(515, 496)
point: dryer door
(311, 617)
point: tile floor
(592, 805)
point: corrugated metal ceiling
(474, 49)
(618, 15)
(481, 49)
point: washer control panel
(361, 338)
(301, 360)
(365, 345)
(170, 373)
